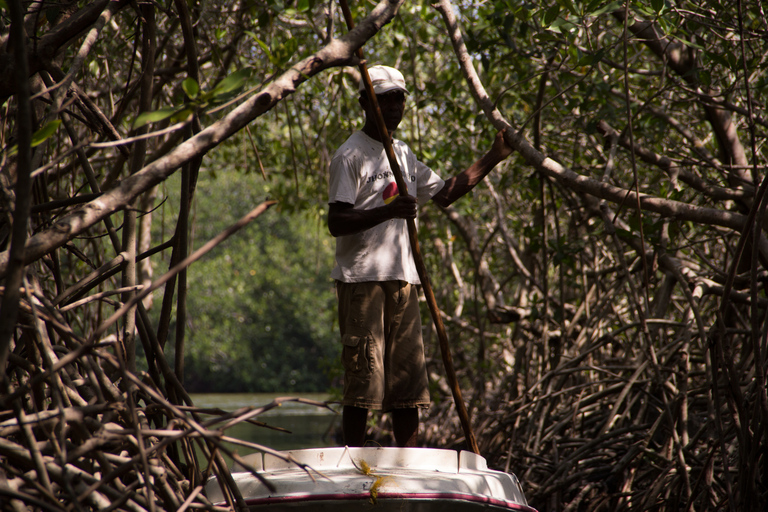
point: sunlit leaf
(181, 115)
(562, 25)
(613, 6)
(568, 4)
(45, 132)
(232, 83)
(39, 136)
(262, 44)
(146, 118)
(286, 51)
(191, 88)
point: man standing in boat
(376, 278)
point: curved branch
(338, 52)
(671, 168)
(567, 177)
(679, 60)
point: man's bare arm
(344, 219)
(465, 181)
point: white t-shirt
(360, 175)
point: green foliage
(280, 53)
(261, 306)
(221, 93)
(40, 136)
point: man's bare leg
(354, 423)
(405, 426)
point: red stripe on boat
(509, 505)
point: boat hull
(383, 505)
(401, 479)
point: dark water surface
(309, 426)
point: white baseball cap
(385, 79)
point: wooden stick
(445, 349)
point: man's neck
(371, 130)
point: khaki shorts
(383, 353)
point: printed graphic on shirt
(390, 193)
(376, 177)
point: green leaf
(191, 88)
(624, 234)
(658, 5)
(613, 6)
(264, 19)
(286, 51)
(232, 83)
(590, 8)
(264, 46)
(561, 25)
(181, 115)
(705, 76)
(590, 59)
(39, 136)
(45, 132)
(717, 58)
(691, 44)
(551, 15)
(153, 117)
(568, 4)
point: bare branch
(337, 53)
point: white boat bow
(401, 479)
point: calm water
(309, 426)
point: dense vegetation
(603, 289)
(261, 307)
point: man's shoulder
(359, 147)
(348, 149)
(401, 146)
(355, 138)
(358, 144)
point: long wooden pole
(402, 187)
